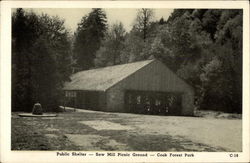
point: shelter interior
(151, 102)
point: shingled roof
(103, 78)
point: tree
(90, 32)
(112, 45)
(54, 43)
(229, 51)
(143, 20)
(178, 13)
(162, 21)
(60, 42)
(25, 30)
(133, 48)
(208, 47)
(40, 60)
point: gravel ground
(91, 130)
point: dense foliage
(203, 46)
(41, 58)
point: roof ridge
(116, 65)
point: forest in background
(202, 46)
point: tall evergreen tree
(90, 32)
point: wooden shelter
(147, 87)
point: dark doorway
(150, 102)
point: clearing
(92, 130)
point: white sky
(127, 16)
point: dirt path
(91, 130)
(217, 133)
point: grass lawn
(90, 130)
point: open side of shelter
(146, 87)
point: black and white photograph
(121, 80)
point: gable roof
(103, 78)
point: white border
(5, 87)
